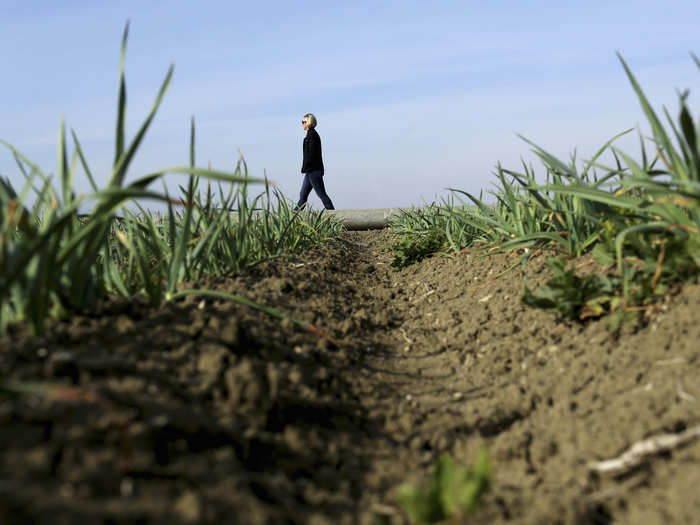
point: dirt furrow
(471, 365)
(205, 411)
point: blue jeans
(314, 179)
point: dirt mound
(205, 411)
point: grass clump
(451, 491)
(572, 297)
(648, 218)
(411, 249)
(55, 259)
(639, 217)
(424, 231)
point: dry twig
(642, 449)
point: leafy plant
(572, 297)
(411, 249)
(451, 490)
(429, 229)
(654, 265)
(651, 218)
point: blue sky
(411, 97)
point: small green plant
(653, 266)
(452, 220)
(414, 248)
(451, 491)
(572, 297)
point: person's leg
(316, 179)
(305, 190)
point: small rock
(211, 360)
(246, 386)
(197, 323)
(189, 507)
(126, 487)
(295, 376)
(37, 458)
(230, 333)
(67, 490)
(280, 285)
(160, 420)
(224, 454)
(137, 429)
(214, 324)
(123, 324)
(346, 326)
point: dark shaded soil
(206, 411)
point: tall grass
(650, 216)
(55, 259)
(642, 214)
(425, 230)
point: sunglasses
(303, 122)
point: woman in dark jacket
(312, 166)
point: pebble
(211, 359)
(67, 490)
(123, 324)
(230, 333)
(189, 507)
(126, 487)
(160, 420)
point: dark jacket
(313, 160)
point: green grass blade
(550, 160)
(592, 162)
(662, 139)
(83, 162)
(64, 173)
(180, 251)
(121, 101)
(122, 163)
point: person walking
(312, 165)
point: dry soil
(206, 411)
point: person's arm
(314, 148)
(307, 156)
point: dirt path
(207, 412)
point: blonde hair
(310, 120)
